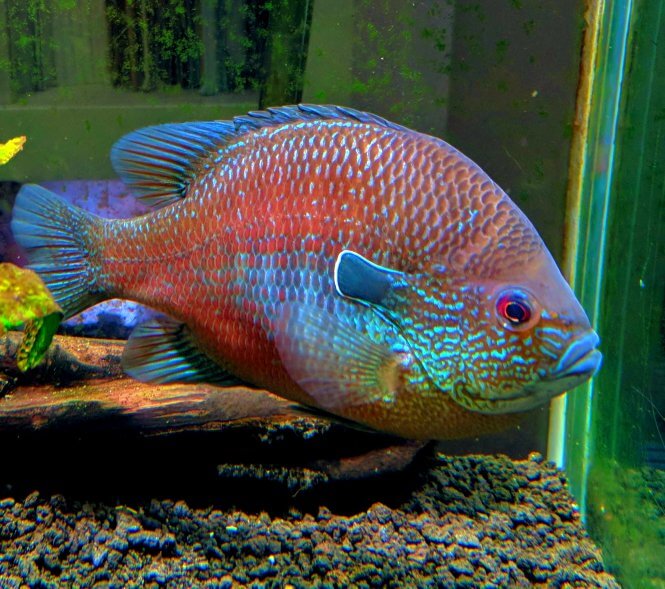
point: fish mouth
(579, 363)
(581, 360)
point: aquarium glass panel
(75, 76)
(616, 442)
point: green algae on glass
(627, 513)
(25, 300)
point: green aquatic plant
(25, 300)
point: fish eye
(515, 309)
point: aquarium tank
(561, 103)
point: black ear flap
(358, 278)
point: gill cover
(425, 314)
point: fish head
(501, 337)
(505, 344)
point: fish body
(330, 256)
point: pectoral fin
(164, 351)
(337, 365)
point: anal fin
(165, 351)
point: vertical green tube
(615, 431)
(587, 237)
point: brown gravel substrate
(473, 521)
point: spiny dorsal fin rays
(279, 115)
(160, 162)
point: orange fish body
(332, 257)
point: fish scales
(303, 218)
(339, 260)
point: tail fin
(60, 241)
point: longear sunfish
(330, 256)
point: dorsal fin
(279, 115)
(160, 162)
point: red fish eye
(514, 308)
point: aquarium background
(500, 80)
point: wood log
(81, 381)
(79, 392)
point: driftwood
(80, 387)
(81, 381)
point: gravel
(474, 521)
